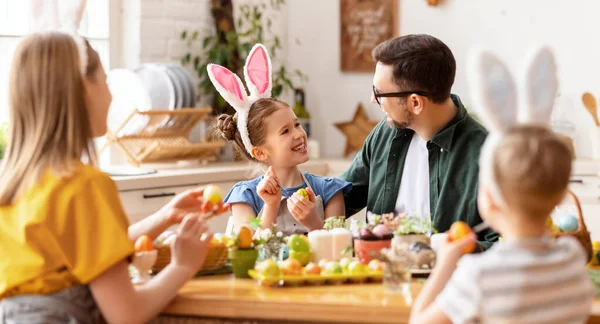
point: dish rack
(158, 136)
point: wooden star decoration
(356, 130)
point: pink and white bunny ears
(257, 74)
(63, 16)
(494, 95)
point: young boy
(529, 277)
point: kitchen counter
(171, 175)
(228, 298)
(174, 175)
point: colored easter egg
(568, 223)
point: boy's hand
(449, 253)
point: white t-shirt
(413, 197)
(530, 281)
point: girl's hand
(190, 246)
(304, 210)
(450, 252)
(268, 188)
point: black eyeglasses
(396, 94)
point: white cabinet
(139, 204)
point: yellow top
(62, 232)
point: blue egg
(568, 223)
(284, 253)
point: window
(15, 23)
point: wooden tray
(314, 279)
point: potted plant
(231, 42)
(269, 241)
(409, 229)
(243, 252)
(370, 238)
(335, 222)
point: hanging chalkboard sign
(364, 24)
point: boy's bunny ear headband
(494, 95)
(257, 74)
(62, 16)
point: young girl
(529, 277)
(266, 130)
(63, 232)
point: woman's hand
(189, 201)
(190, 246)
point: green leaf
(207, 42)
(187, 58)
(277, 90)
(289, 83)
(231, 36)
(202, 69)
(183, 34)
(205, 84)
(240, 22)
(195, 35)
(255, 222)
(246, 48)
(196, 62)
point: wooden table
(225, 297)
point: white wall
(509, 27)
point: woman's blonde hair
(48, 126)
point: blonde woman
(64, 236)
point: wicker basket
(216, 258)
(582, 234)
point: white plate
(177, 86)
(187, 95)
(159, 86)
(128, 94)
(190, 83)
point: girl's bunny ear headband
(494, 96)
(257, 74)
(62, 16)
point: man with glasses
(422, 159)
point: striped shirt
(526, 281)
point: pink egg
(381, 230)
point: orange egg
(312, 269)
(291, 267)
(457, 231)
(375, 266)
(143, 244)
(244, 237)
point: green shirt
(454, 150)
